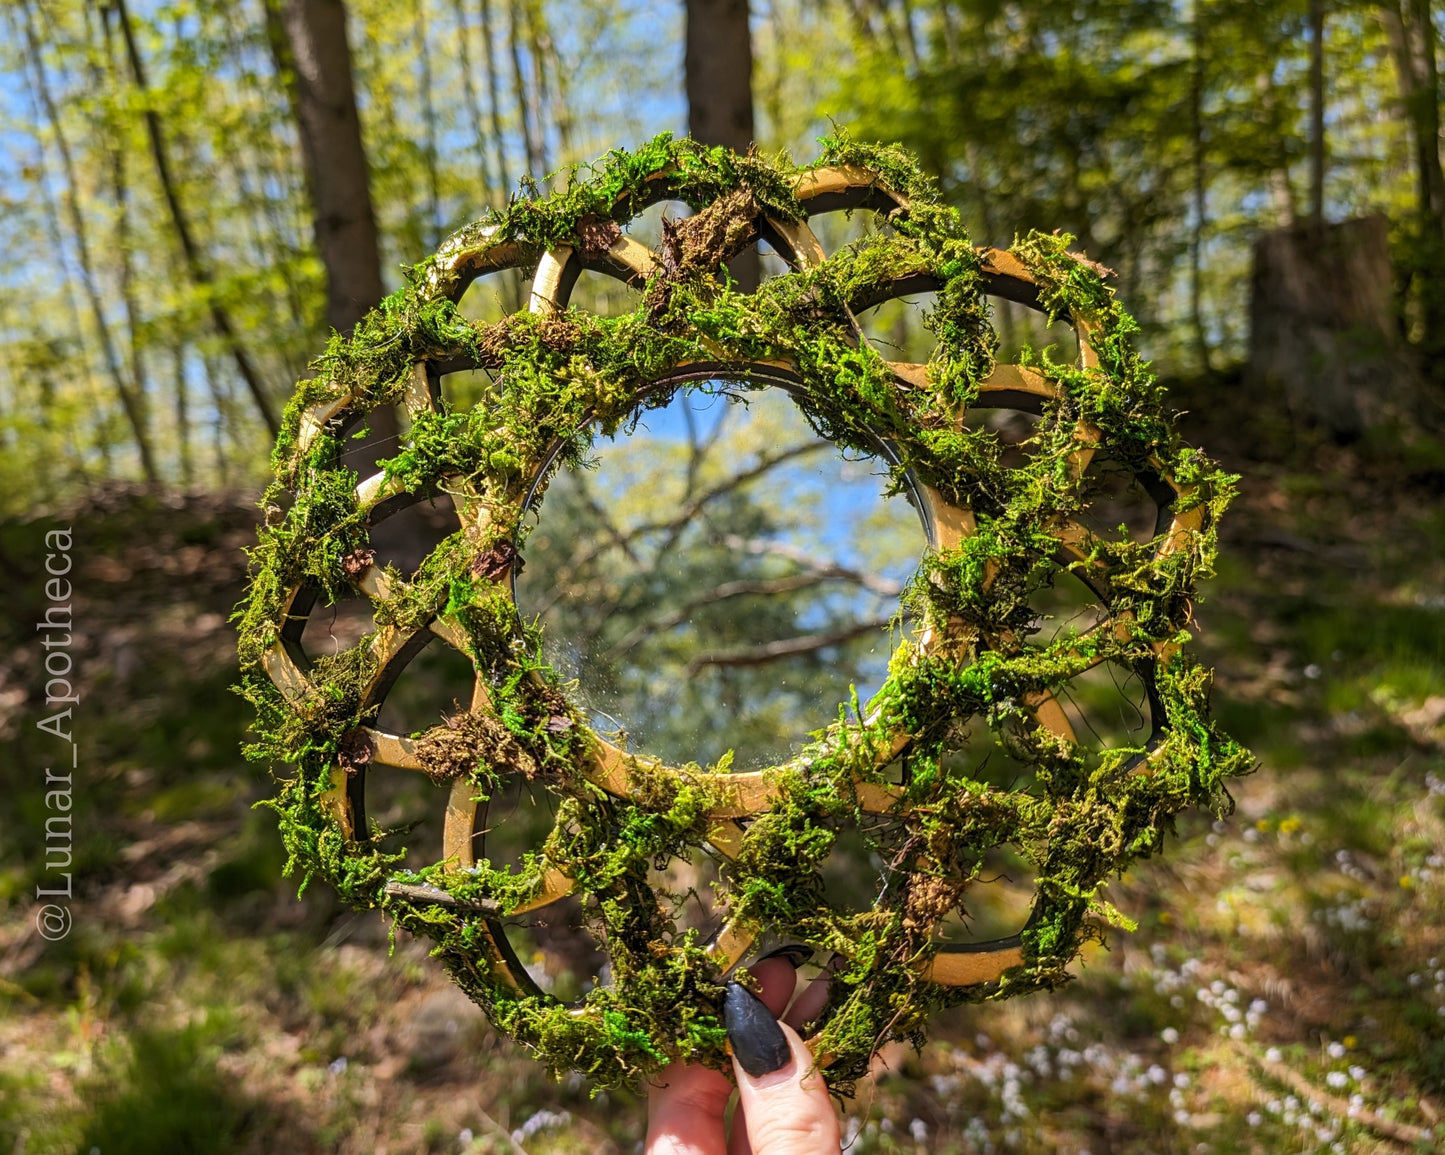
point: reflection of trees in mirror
(331, 629)
(436, 683)
(996, 905)
(557, 944)
(404, 813)
(1119, 505)
(1021, 328)
(646, 226)
(1108, 707)
(493, 297)
(604, 296)
(721, 578)
(898, 329)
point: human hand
(783, 1104)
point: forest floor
(1285, 990)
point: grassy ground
(1285, 990)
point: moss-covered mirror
(1041, 587)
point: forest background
(194, 194)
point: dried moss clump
(559, 376)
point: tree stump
(1323, 326)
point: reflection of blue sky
(848, 488)
(835, 514)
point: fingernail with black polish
(758, 1041)
(795, 954)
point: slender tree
(1196, 132)
(494, 100)
(308, 39)
(429, 120)
(531, 131)
(129, 392)
(1317, 112)
(315, 58)
(718, 66)
(1411, 31)
(474, 105)
(196, 263)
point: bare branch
(783, 648)
(685, 513)
(723, 593)
(424, 892)
(879, 585)
(1284, 1073)
(609, 527)
(691, 508)
(736, 589)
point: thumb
(784, 1101)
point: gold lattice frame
(1182, 518)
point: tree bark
(1317, 112)
(1411, 32)
(314, 56)
(337, 176)
(1322, 326)
(718, 60)
(1196, 133)
(718, 64)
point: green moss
(555, 381)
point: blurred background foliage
(183, 222)
(1166, 136)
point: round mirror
(720, 579)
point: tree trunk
(1411, 33)
(1317, 112)
(183, 421)
(1196, 134)
(131, 399)
(315, 57)
(430, 152)
(531, 132)
(1323, 329)
(337, 176)
(197, 266)
(718, 63)
(474, 109)
(499, 136)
